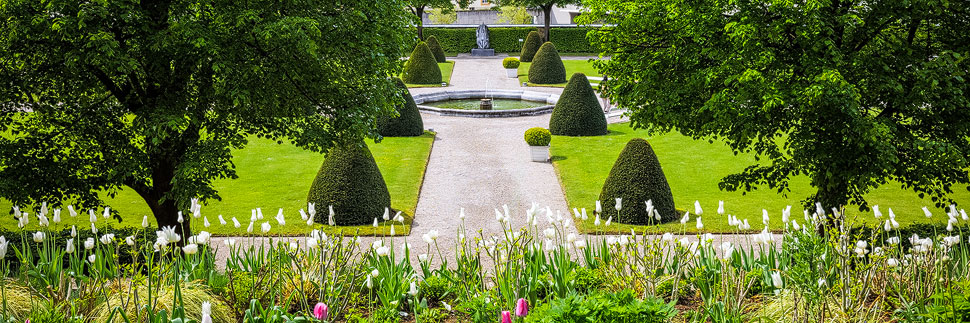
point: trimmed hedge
(506, 39)
(421, 67)
(407, 123)
(538, 136)
(547, 67)
(510, 62)
(578, 113)
(637, 177)
(439, 55)
(124, 258)
(530, 47)
(350, 181)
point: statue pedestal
(483, 52)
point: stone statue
(481, 35)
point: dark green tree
(542, 5)
(407, 122)
(853, 94)
(636, 177)
(418, 7)
(154, 96)
(439, 54)
(421, 67)
(578, 111)
(547, 67)
(350, 181)
(530, 47)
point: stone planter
(540, 153)
(512, 72)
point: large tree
(155, 95)
(418, 8)
(542, 5)
(853, 94)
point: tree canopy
(155, 96)
(544, 5)
(418, 7)
(853, 94)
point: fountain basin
(461, 102)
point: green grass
(273, 176)
(446, 69)
(572, 66)
(693, 169)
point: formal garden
(340, 161)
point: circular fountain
(486, 103)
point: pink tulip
(506, 317)
(521, 308)
(321, 311)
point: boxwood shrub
(547, 67)
(538, 136)
(421, 67)
(578, 112)
(407, 123)
(637, 177)
(530, 47)
(510, 62)
(350, 181)
(439, 55)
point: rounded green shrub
(439, 54)
(637, 177)
(407, 123)
(578, 112)
(421, 68)
(547, 67)
(350, 181)
(538, 136)
(510, 62)
(531, 45)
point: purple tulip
(506, 317)
(321, 311)
(522, 308)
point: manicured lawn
(693, 169)
(572, 66)
(273, 176)
(446, 69)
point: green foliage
(192, 295)
(350, 181)
(861, 106)
(589, 280)
(531, 46)
(506, 39)
(538, 136)
(481, 308)
(577, 113)
(617, 307)
(547, 67)
(436, 289)
(60, 237)
(439, 55)
(442, 17)
(637, 177)
(510, 62)
(544, 5)
(407, 123)
(514, 15)
(157, 98)
(421, 67)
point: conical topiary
(547, 66)
(439, 54)
(637, 177)
(421, 68)
(578, 112)
(407, 123)
(350, 181)
(531, 45)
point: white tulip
(280, 218)
(963, 215)
(181, 219)
(107, 212)
(259, 214)
(414, 290)
(3, 247)
(130, 241)
(392, 230)
(235, 223)
(206, 312)
(686, 218)
(585, 217)
(312, 243)
(70, 209)
(375, 222)
(700, 225)
(191, 249)
(927, 212)
(89, 244)
(550, 233)
(599, 207)
(892, 262)
(727, 250)
(382, 251)
(776, 279)
(250, 228)
(230, 242)
(91, 217)
(68, 249)
(656, 215)
(205, 221)
(222, 221)
(73, 231)
(398, 217)
(374, 273)
(92, 258)
(330, 219)
(303, 215)
(875, 211)
(667, 237)
(597, 221)
(57, 216)
(697, 208)
(786, 214)
(94, 229)
(144, 222)
(387, 214)
(619, 203)
(107, 238)
(169, 235)
(423, 257)
(311, 208)
(609, 220)
(461, 214)
(265, 227)
(764, 217)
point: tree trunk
(419, 11)
(832, 193)
(165, 211)
(547, 12)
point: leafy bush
(506, 39)
(421, 67)
(350, 181)
(439, 54)
(482, 308)
(547, 67)
(435, 289)
(577, 113)
(530, 47)
(538, 136)
(622, 306)
(510, 62)
(407, 123)
(637, 177)
(588, 280)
